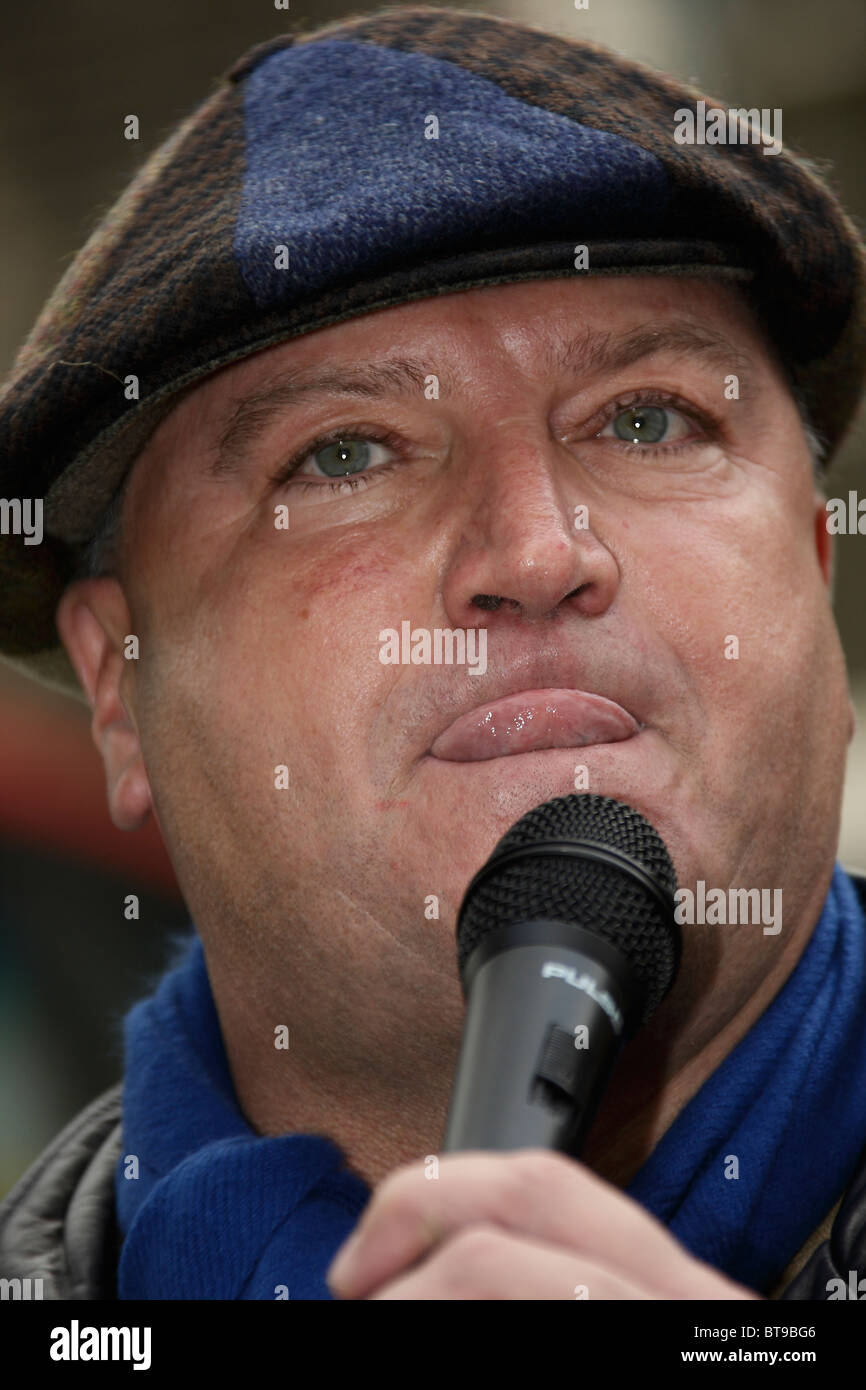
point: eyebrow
(253, 413)
(586, 352)
(591, 351)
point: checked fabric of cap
(316, 142)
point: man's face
(691, 591)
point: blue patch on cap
(339, 170)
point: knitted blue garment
(217, 1211)
(789, 1103)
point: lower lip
(556, 761)
(534, 721)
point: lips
(531, 720)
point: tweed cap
(389, 157)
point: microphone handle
(550, 1007)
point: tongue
(534, 719)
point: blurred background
(70, 961)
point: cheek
(310, 619)
(348, 580)
(346, 576)
(738, 597)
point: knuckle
(397, 1194)
(472, 1257)
(408, 1178)
(535, 1178)
(401, 1206)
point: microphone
(566, 946)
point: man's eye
(647, 424)
(349, 460)
(342, 457)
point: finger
(483, 1263)
(537, 1193)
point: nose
(527, 545)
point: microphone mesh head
(599, 897)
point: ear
(824, 541)
(93, 620)
(824, 545)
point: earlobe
(93, 619)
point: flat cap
(389, 157)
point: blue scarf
(211, 1210)
(788, 1103)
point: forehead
(523, 318)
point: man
(362, 379)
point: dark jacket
(58, 1223)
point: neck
(669, 1061)
(385, 1111)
